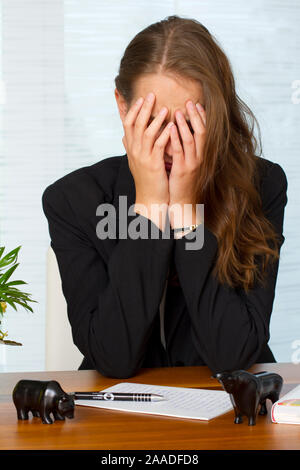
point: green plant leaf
(10, 257)
(11, 295)
(24, 305)
(12, 290)
(15, 292)
(8, 273)
(15, 283)
(20, 296)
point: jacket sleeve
(111, 304)
(230, 328)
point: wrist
(156, 212)
(183, 215)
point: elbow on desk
(120, 370)
(117, 373)
(240, 354)
(226, 366)
(116, 368)
(236, 359)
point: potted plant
(8, 293)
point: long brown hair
(228, 182)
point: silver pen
(108, 396)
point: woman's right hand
(145, 155)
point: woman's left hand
(186, 160)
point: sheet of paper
(180, 402)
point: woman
(150, 302)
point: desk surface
(95, 429)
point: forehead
(170, 90)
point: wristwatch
(183, 229)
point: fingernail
(199, 107)
(179, 115)
(139, 101)
(170, 124)
(163, 111)
(150, 96)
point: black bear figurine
(42, 398)
(247, 391)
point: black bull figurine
(247, 391)
(42, 398)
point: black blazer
(113, 287)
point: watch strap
(183, 229)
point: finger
(188, 141)
(178, 155)
(133, 112)
(196, 117)
(202, 113)
(129, 120)
(161, 142)
(143, 117)
(198, 127)
(152, 131)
